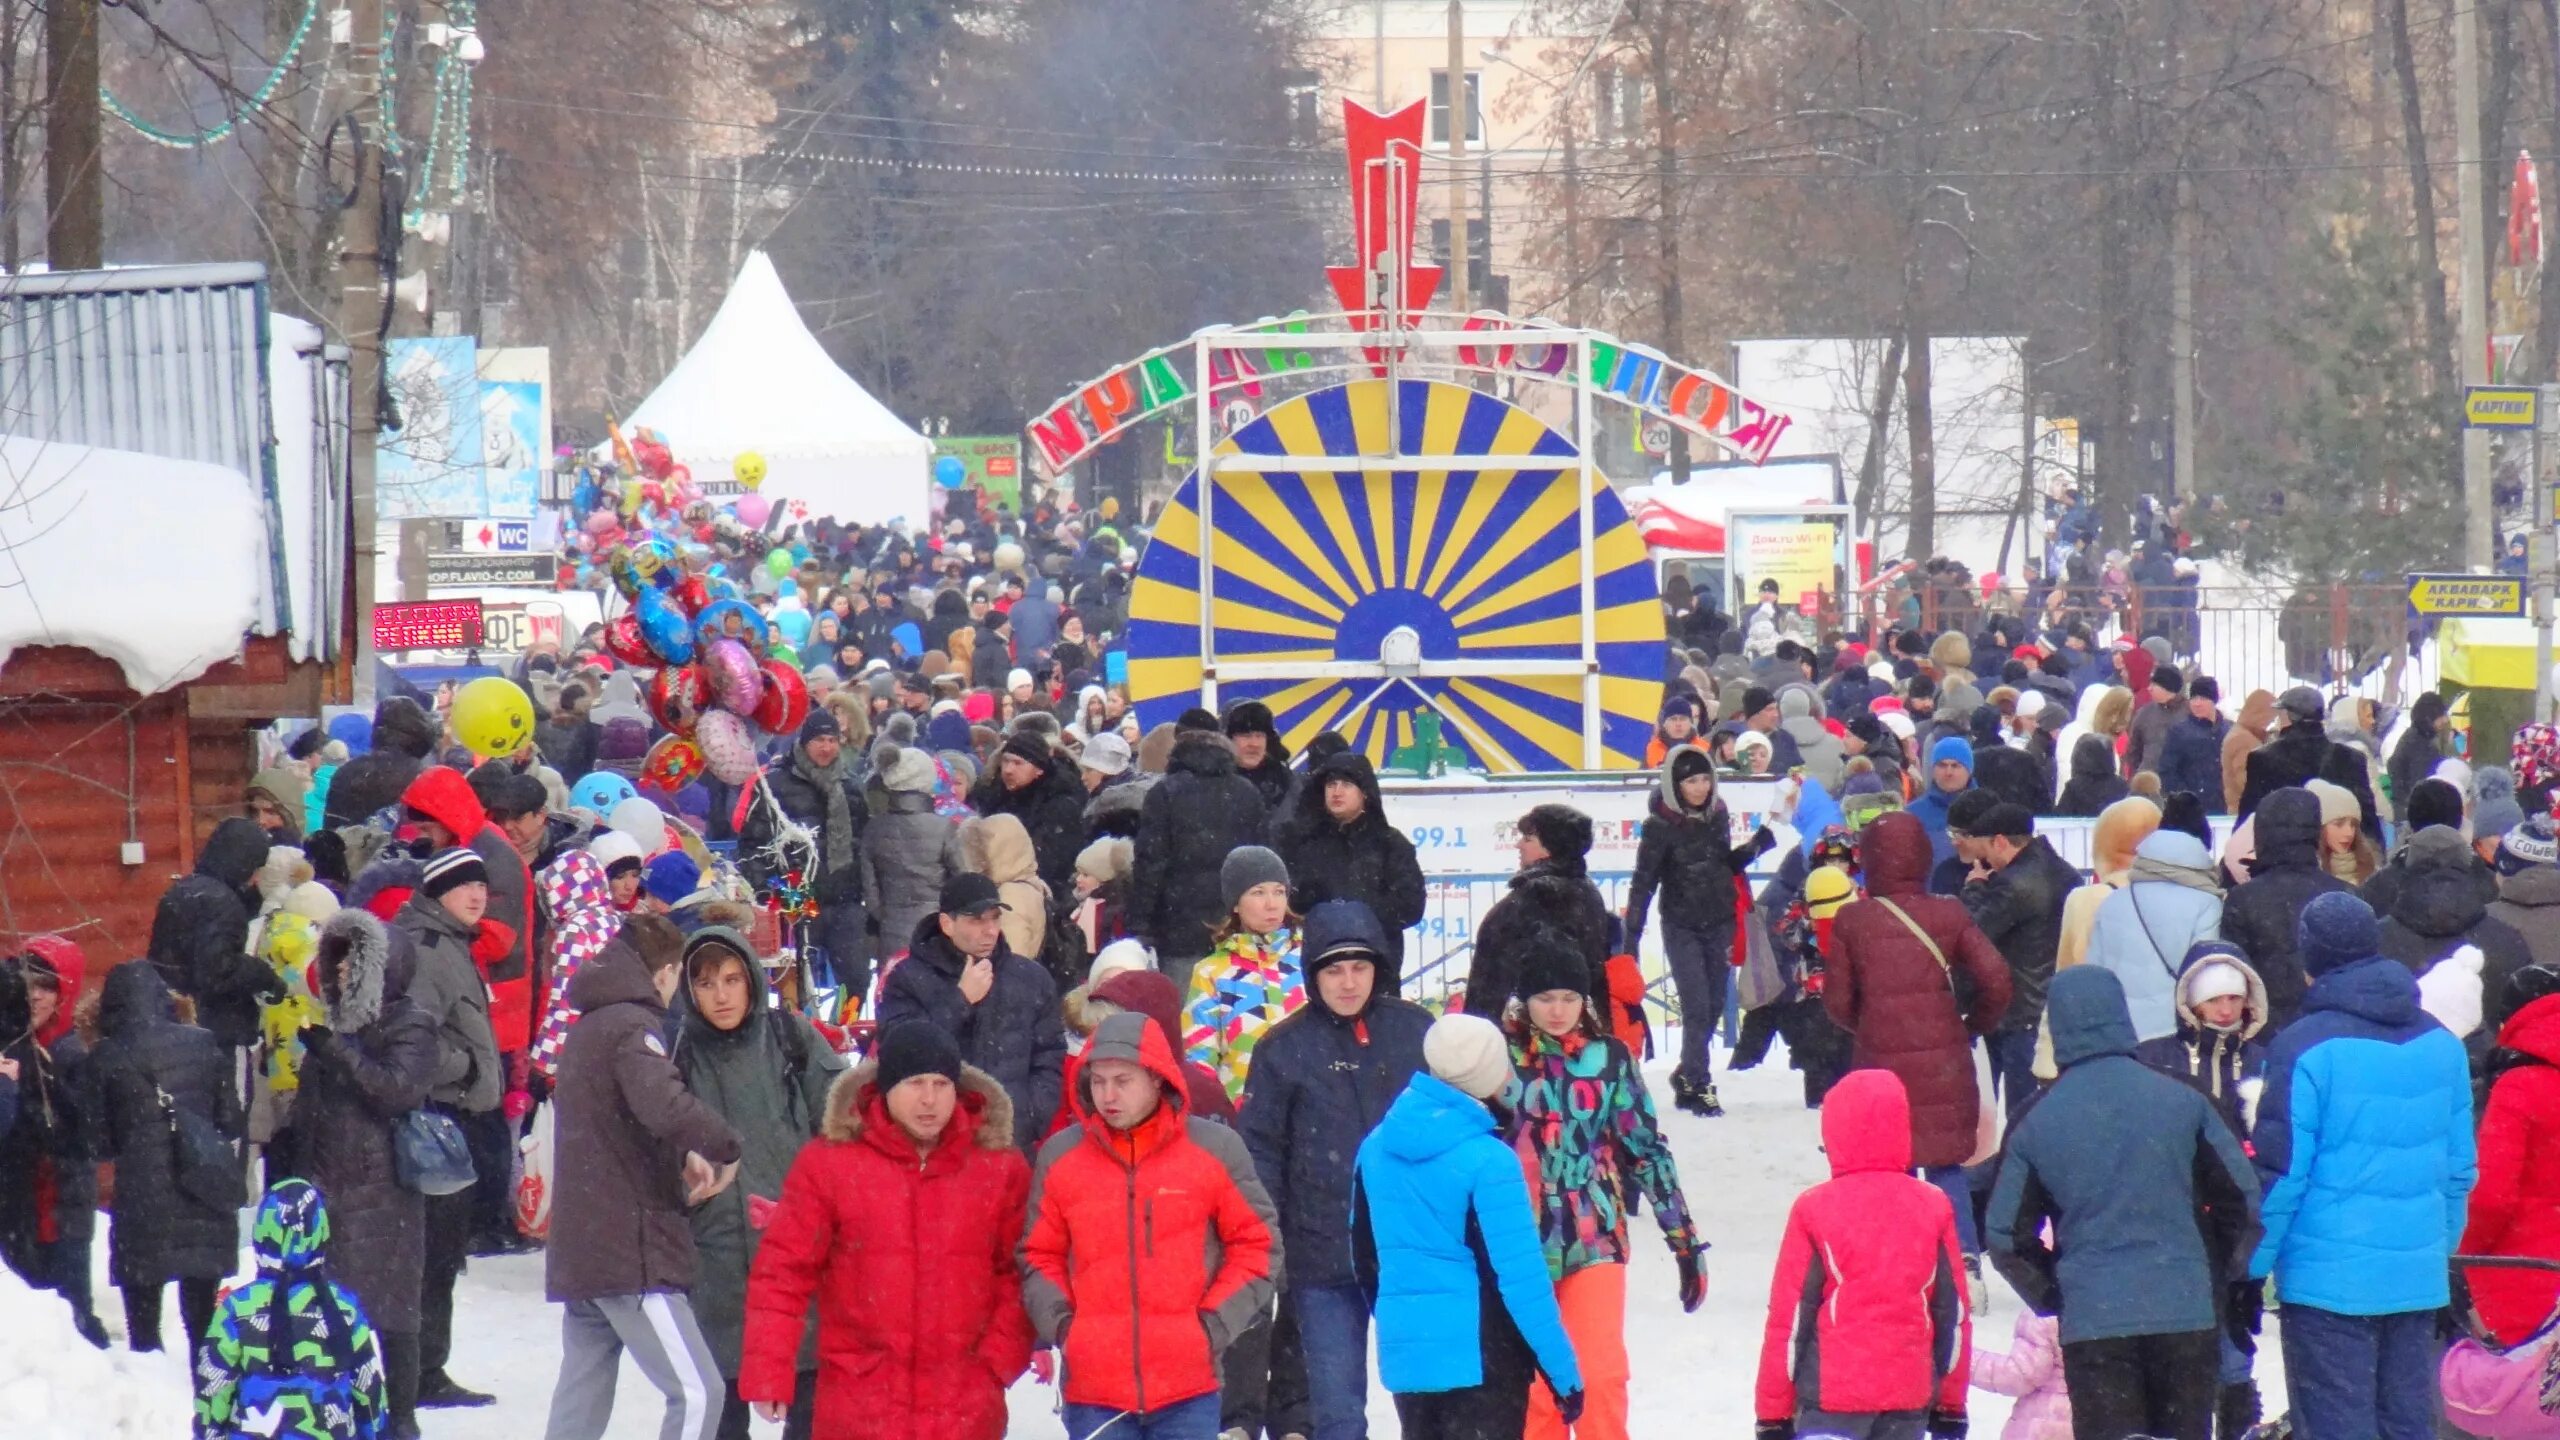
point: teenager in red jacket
(1151, 1245)
(2515, 1207)
(1869, 1333)
(900, 1220)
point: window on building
(1304, 90)
(1479, 252)
(1617, 105)
(1440, 107)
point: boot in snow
(1973, 1290)
(1708, 1104)
(2235, 1411)
(1685, 1095)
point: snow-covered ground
(1740, 1172)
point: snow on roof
(758, 381)
(156, 564)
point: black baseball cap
(970, 893)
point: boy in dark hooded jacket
(1685, 853)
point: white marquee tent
(758, 381)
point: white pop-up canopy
(758, 381)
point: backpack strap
(1913, 926)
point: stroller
(2501, 1394)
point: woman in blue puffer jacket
(1438, 1202)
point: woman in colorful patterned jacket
(1583, 1125)
(1250, 980)
(584, 920)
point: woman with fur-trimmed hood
(367, 1065)
(899, 1223)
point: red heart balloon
(786, 699)
(622, 640)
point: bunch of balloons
(717, 680)
(643, 494)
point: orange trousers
(1594, 1302)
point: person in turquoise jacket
(1439, 1201)
(2364, 1145)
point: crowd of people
(984, 1034)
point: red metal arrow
(1376, 228)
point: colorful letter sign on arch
(1483, 564)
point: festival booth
(1382, 530)
(2486, 669)
(759, 384)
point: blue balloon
(663, 627)
(600, 792)
(732, 620)
(794, 625)
(952, 471)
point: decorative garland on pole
(216, 134)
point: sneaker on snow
(439, 1392)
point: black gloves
(1774, 1430)
(1693, 1281)
(2244, 1311)
(271, 990)
(1569, 1406)
(315, 1038)
(1946, 1425)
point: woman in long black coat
(371, 1065)
(161, 1232)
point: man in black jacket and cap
(2019, 907)
(1202, 809)
(819, 784)
(1260, 755)
(1035, 784)
(2302, 753)
(1338, 846)
(1321, 1081)
(2259, 915)
(200, 935)
(1001, 1007)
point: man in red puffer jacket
(1151, 1245)
(900, 1220)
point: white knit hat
(2215, 980)
(1468, 1051)
(1119, 957)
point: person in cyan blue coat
(1438, 1202)
(2364, 1147)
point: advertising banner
(432, 466)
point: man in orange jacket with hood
(1151, 1245)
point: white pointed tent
(758, 381)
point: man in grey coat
(442, 920)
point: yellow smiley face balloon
(749, 470)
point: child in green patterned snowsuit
(290, 1353)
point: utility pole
(363, 297)
(1572, 226)
(2182, 343)
(2479, 548)
(1461, 112)
(74, 180)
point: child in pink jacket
(2031, 1371)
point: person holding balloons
(818, 785)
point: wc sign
(497, 537)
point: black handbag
(429, 1154)
(208, 1170)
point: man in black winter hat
(1001, 1009)
(1260, 755)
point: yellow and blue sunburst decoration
(1485, 564)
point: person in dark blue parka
(2364, 1146)
(2153, 1209)
(1321, 1081)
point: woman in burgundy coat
(1913, 981)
